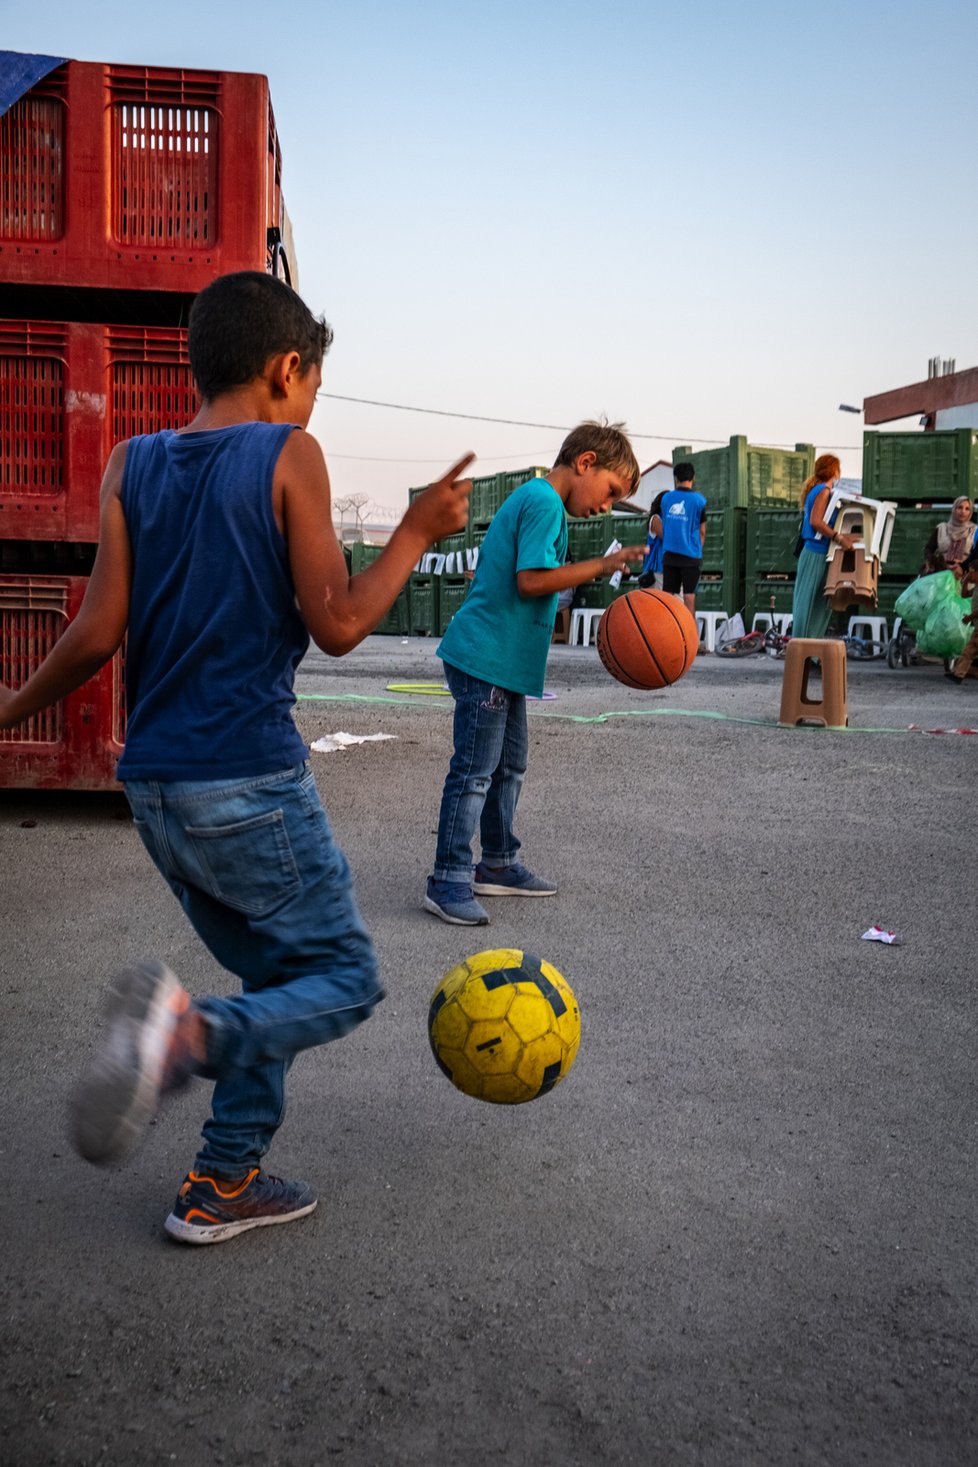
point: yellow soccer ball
(504, 1026)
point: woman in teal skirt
(810, 611)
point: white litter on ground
(334, 741)
(880, 934)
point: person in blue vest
(651, 576)
(218, 560)
(679, 518)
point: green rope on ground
(604, 717)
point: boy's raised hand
(621, 560)
(443, 508)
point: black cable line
(404, 407)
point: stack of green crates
(745, 476)
(924, 473)
(588, 539)
(722, 573)
(397, 621)
(752, 494)
(921, 467)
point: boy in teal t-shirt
(495, 655)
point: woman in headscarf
(952, 540)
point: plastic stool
(762, 621)
(783, 621)
(875, 628)
(584, 620)
(831, 710)
(706, 624)
(562, 626)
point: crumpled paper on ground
(334, 741)
(880, 934)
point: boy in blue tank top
(217, 557)
(495, 655)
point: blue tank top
(214, 633)
(819, 545)
(681, 513)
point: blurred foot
(153, 1043)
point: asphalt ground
(741, 1231)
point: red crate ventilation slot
(165, 150)
(32, 139)
(32, 408)
(152, 385)
(33, 615)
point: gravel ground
(742, 1231)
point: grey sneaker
(513, 880)
(453, 901)
(144, 1053)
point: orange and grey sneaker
(213, 1209)
(147, 1050)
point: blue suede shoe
(453, 901)
(513, 880)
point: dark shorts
(681, 579)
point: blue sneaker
(453, 901)
(513, 880)
(211, 1210)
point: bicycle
(771, 640)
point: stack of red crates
(123, 191)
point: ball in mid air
(647, 639)
(504, 1026)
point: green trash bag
(922, 596)
(945, 634)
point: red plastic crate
(139, 178)
(69, 391)
(75, 744)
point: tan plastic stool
(831, 709)
(562, 626)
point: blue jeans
(484, 778)
(254, 866)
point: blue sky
(704, 219)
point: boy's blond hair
(609, 444)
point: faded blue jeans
(255, 867)
(484, 778)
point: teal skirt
(810, 610)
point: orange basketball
(647, 639)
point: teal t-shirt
(497, 635)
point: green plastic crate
(489, 491)
(771, 535)
(921, 466)
(890, 588)
(759, 592)
(452, 592)
(726, 538)
(745, 475)
(602, 593)
(716, 593)
(423, 605)
(912, 528)
(589, 538)
(362, 555)
(397, 622)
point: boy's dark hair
(239, 321)
(683, 473)
(609, 444)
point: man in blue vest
(678, 516)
